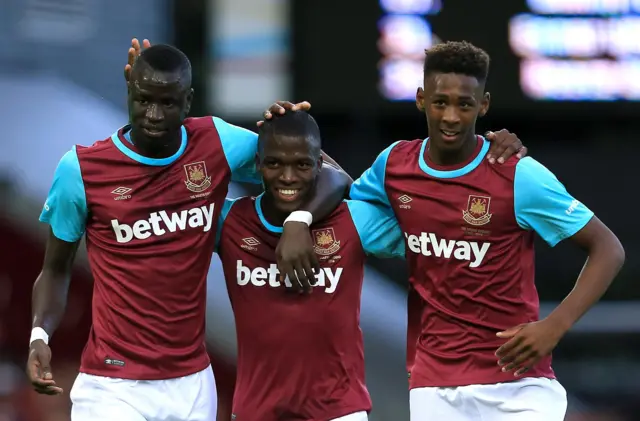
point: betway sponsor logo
(428, 244)
(161, 222)
(328, 278)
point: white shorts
(356, 416)
(528, 399)
(189, 398)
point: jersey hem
(339, 412)
(473, 381)
(346, 410)
(144, 376)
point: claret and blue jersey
(300, 346)
(469, 233)
(150, 227)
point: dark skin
(49, 301)
(287, 163)
(452, 103)
(294, 253)
(528, 343)
(158, 104)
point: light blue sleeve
(542, 203)
(370, 186)
(226, 207)
(240, 147)
(66, 206)
(378, 229)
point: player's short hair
(165, 58)
(294, 124)
(459, 57)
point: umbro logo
(122, 193)
(250, 243)
(404, 201)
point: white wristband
(38, 333)
(300, 216)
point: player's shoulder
(507, 169)
(403, 146)
(96, 148)
(69, 161)
(402, 154)
(529, 169)
(194, 125)
(240, 206)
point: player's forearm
(49, 300)
(333, 185)
(603, 264)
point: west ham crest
(197, 178)
(477, 212)
(324, 241)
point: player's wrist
(300, 216)
(38, 333)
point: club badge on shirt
(324, 242)
(477, 212)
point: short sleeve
(370, 186)
(65, 209)
(378, 229)
(226, 207)
(542, 203)
(240, 147)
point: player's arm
(378, 229)
(542, 204)
(66, 212)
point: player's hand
(296, 257)
(39, 369)
(281, 107)
(527, 344)
(134, 52)
(504, 145)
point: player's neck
(271, 213)
(158, 149)
(448, 157)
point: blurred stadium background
(565, 77)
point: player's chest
(153, 201)
(455, 208)
(251, 262)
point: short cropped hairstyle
(459, 57)
(165, 58)
(293, 124)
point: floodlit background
(565, 77)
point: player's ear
(257, 159)
(420, 100)
(484, 105)
(189, 99)
(320, 162)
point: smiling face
(290, 166)
(452, 103)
